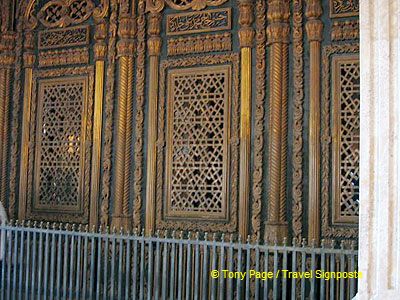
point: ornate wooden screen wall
(221, 116)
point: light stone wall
(379, 238)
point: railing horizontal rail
(72, 262)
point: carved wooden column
(314, 32)
(278, 40)
(100, 51)
(125, 48)
(246, 36)
(154, 49)
(29, 60)
(6, 64)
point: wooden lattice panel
(60, 144)
(346, 138)
(197, 135)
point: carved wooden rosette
(154, 49)
(314, 32)
(246, 37)
(278, 41)
(125, 49)
(6, 63)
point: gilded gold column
(154, 49)
(6, 63)
(125, 48)
(29, 60)
(314, 32)
(100, 50)
(278, 41)
(246, 36)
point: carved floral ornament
(158, 5)
(62, 13)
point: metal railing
(49, 262)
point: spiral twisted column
(276, 227)
(125, 49)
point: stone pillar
(379, 238)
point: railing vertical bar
(332, 282)
(352, 280)
(85, 264)
(120, 261)
(33, 280)
(78, 264)
(134, 271)
(52, 263)
(197, 268)
(141, 289)
(9, 263)
(213, 267)
(284, 267)
(150, 272)
(128, 268)
(172, 270)
(221, 286)
(266, 269)
(112, 269)
(40, 264)
(21, 263)
(164, 272)
(72, 262)
(204, 291)
(294, 269)
(230, 267)
(257, 269)
(46, 263)
(239, 269)
(303, 269)
(247, 290)
(98, 271)
(14, 269)
(322, 281)
(188, 268)
(180, 267)
(157, 268)
(65, 268)
(59, 266)
(275, 281)
(312, 289)
(15, 264)
(3, 234)
(342, 269)
(105, 263)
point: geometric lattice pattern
(349, 138)
(198, 122)
(59, 133)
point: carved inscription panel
(197, 142)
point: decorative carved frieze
(195, 22)
(344, 8)
(200, 44)
(345, 30)
(64, 57)
(59, 38)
